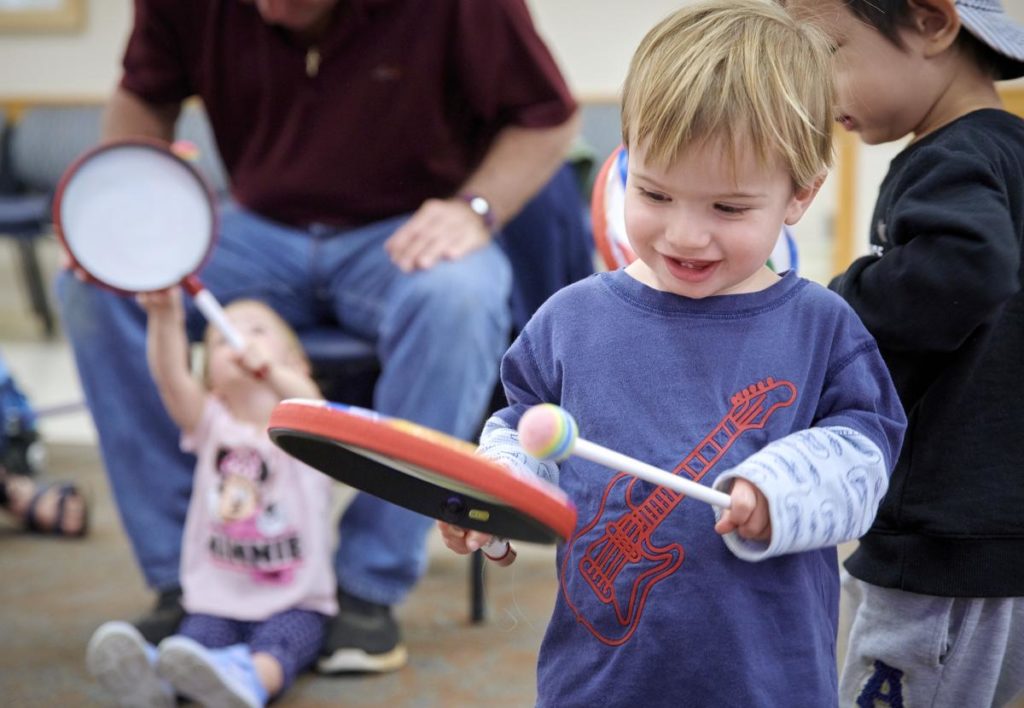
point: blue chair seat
(23, 214)
(26, 217)
(328, 345)
(344, 366)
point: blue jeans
(439, 334)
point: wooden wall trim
(14, 106)
(1013, 99)
(845, 242)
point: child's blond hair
(740, 73)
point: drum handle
(500, 551)
(213, 312)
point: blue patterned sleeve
(823, 487)
(500, 443)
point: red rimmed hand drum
(421, 469)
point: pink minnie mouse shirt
(258, 535)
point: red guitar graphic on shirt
(621, 564)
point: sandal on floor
(31, 516)
(57, 526)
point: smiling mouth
(693, 265)
(690, 269)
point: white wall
(592, 40)
(81, 64)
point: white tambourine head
(136, 218)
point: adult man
(373, 148)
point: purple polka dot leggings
(292, 637)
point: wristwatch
(481, 206)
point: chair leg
(34, 282)
(476, 588)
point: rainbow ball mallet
(548, 432)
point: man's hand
(441, 229)
(748, 515)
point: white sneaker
(205, 675)
(120, 659)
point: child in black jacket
(939, 578)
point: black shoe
(163, 620)
(362, 638)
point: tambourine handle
(213, 312)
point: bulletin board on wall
(27, 16)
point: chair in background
(36, 150)
(19, 219)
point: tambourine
(135, 217)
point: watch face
(479, 205)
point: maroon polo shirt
(402, 106)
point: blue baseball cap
(988, 23)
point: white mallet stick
(549, 433)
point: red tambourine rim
(471, 471)
(153, 144)
(597, 212)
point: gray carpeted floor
(55, 592)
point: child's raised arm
(167, 352)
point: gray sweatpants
(911, 651)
